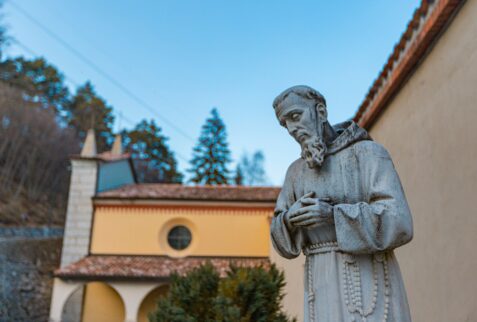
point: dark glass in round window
(179, 237)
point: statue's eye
(295, 116)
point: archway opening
(73, 306)
(102, 304)
(149, 303)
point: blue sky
(182, 58)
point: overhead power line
(32, 52)
(100, 71)
(121, 116)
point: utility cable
(100, 71)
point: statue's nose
(292, 129)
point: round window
(179, 237)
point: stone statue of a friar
(343, 206)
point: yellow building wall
(136, 230)
(102, 304)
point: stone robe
(351, 273)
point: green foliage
(190, 298)
(211, 155)
(154, 161)
(4, 39)
(238, 179)
(39, 81)
(42, 124)
(252, 169)
(244, 295)
(88, 110)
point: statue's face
(298, 116)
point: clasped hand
(309, 211)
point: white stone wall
(80, 211)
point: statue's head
(302, 111)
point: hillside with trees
(43, 122)
(34, 171)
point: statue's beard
(313, 151)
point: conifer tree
(245, 295)
(211, 155)
(238, 179)
(153, 159)
(4, 39)
(40, 81)
(252, 169)
(88, 110)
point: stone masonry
(80, 210)
(79, 215)
(26, 269)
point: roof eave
(408, 53)
(134, 201)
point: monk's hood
(348, 134)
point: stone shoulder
(295, 167)
(370, 148)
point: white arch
(62, 290)
(162, 287)
(132, 294)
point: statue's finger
(308, 195)
(291, 215)
(307, 209)
(309, 201)
(312, 223)
(295, 219)
(300, 218)
(308, 222)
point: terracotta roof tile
(182, 192)
(104, 156)
(425, 27)
(110, 156)
(148, 267)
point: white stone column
(61, 292)
(79, 213)
(79, 216)
(132, 294)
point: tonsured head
(302, 111)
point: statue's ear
(321, 111)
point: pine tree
(4, 38)
(238, 179)
(39, 81)
(211, 154)
(245, 295)
(153, 160)
(88, 110)
(252, 169)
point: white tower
(84, 169)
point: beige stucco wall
(294, 288)
(215, 231)
(429, 130)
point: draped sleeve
(286, 240)
(382, 220)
